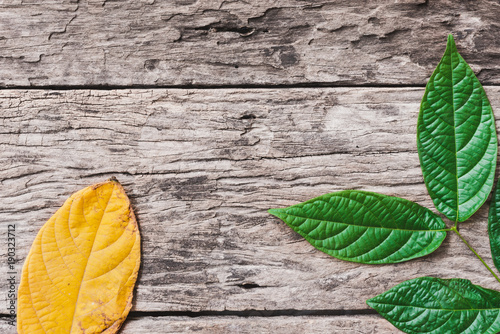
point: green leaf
(433, 305)
(366, 227)
(494, 226)
(456, 137)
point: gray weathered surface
(203, 166)
(221, 42)
(6, 327)
(276, 325)
(365, 324)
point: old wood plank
(203, 166)
(365, 324)
(7, 328)
(220, 42)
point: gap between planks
(207, 87)
(247, 313)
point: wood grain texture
(203, 166)
(233, 42)
(6, 327)
(365, 324)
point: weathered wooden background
(209, 113)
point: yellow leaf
(81, 270)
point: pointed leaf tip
(370, 303)
(275, 212)
(113, 179)
(451, 42)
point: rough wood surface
(275, 325)
(203, 166)
(365, 324)
(226, 42)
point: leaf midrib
(454, 133)
(90, 254)
(440, 309)
(379, 227)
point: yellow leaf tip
(113, 179)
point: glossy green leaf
(434, 305)
(366, 227)
(494, 226)
(456, 137)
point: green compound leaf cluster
(457, 147)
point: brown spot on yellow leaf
(81, 270)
